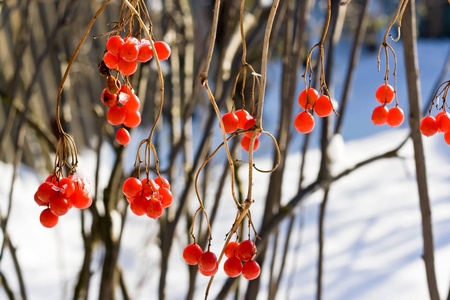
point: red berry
(323, 106)
(110, 60)
(395, 117)
(130, 103)
(126, 89)
(443, 122)
(385, 94)
(67, 187)
(192, 253)
(52, 178)
(114, 44)
(245, 143)
(164, 183)
(132, 119)
(108, 99)
(154, 208)
(209, 273)
(123, 136)
(167, 197)
(59, 205)
(81, 199)
(116, 115)
(230, 122)
(48, 219)
(139, 205)
(162, 49)
(145, 51)
(127, 68)
(233, 267)
(447, 137)
(149, 187)
(249, 134)
(230, 249)
(39, 201)
(304, 122)
(243, 116)
(45, 191)
(306, 100)
(246, 251)
(251, 270)
(249, 124)
(379, 115)
(428, 126)
(207, 261)
(129, 51)
(132, 187)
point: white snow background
(373, 238)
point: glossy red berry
(447, 137)
(127, 68)
(385, 94)
(67, 187)
(192, 253)
(130, 103)
(114, 44)
(207, 261)
(132, 187)
(110, 60)
(163, 182)
(428, 126)
(38, 200)
(162, 49)
(145, 51)
(395, 117)
(45, 191)
(59, 205)
(243, 116)
(123, 136)
(116, 115)
(48, 219)
(149, 187)
(132, 119)
(81, 199)
(306, 100)
(52, 178)
(139, 205)
(323, 106)
(304, 122)
(251, 270)
(230, 122)
(209, 273)
(443, 122)
(246, 251)
(154, 208)
(108, 99)
(379, 115)
(233, 267)
(129, 51)
(245, 143)
(230, 249)
(166, 196)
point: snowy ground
(373, 233)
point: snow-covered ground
(373, 233)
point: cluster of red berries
(309, 100)
(241, 119)
(148, 196)
(123, 54)
(381, 115)
(123, 109)
(236, 253)
(440, 123)
(59, 195)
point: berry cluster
(148, 196)
(309, 100)
(241, 119)
(440, 123)
(381, 115)
(236, 253)
(123, 109)
(60, 195)
(124, 54)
